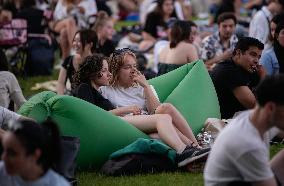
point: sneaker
(191, 154)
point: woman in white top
(130, 88)
(29, 152)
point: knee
(71, 22)
(165, 108)
(163, 119)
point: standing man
(259, 27)
(235, 77)
(240, 155)
(218, 47)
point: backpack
(40, 57)
(142, 156)
(131, 164)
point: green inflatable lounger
(189, 88)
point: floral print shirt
(211, 46)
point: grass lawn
(95, 178)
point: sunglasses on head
(122, 50)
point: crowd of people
(241, 45)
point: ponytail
(44, 137)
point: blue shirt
(270, 62)
(50, 178)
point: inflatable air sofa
(189, 88)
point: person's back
(10, 90)
(179, 51)
(179, 55)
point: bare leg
(178, 120)
(67, 29)
(64, 44)
(161, 123)
(277, 166)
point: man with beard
(218, 47)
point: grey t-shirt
(239, 154)
(10, 90)
(6, 115)
(50, 178)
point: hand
(260, 70)
(139, 78)
(134, 109)
(226, 55)
(81, 9)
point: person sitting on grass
(84, 44)
(240, 154)
(164, 122)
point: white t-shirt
(121, 97)
(50, 178)
(239, 154)
(6, 115)
(259, 26)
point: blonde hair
(102, 18)
(116, 61)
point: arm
(60, 87)
(192, 53)
(147, 36)
(151, 100)
(16, 93)
(252, 3)
(245, 96)
(135, 110)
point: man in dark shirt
(234, 78)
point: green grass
(95, 178)
(28, 82)
(177, 178)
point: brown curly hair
(91, 66)
(116, 61)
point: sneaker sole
(189, 160)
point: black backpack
(131, 164)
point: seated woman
(156, 23)
(84, 44)
(69, 16)
(180, 50)
(273, 59)
(104, 29)
(165, 121)
(29, 152)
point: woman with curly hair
(129, 87)
(165, 123)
